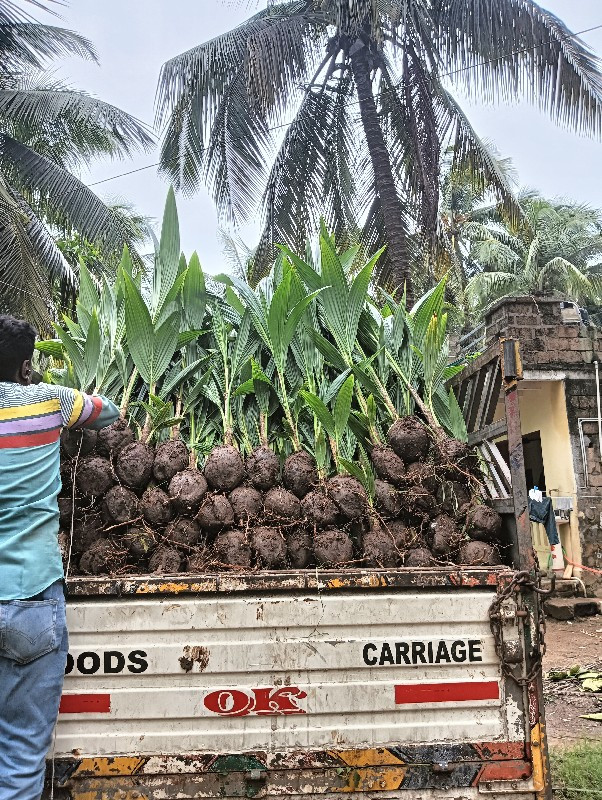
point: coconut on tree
(360, 91)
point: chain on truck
(399, 683)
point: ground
(569, 643)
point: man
(33, 630)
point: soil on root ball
(388, 465)
(232, 549)
(478, 554)
(422, 474)
(404, 536)
(409, 439)
(263, 468)
(216, 513)
(246, 502)
(103, 557)
(170, 458)
(445, 535)
(139, 542)
(165, 561)
(299, 549)
(300, 474)
(94, 476)
(319, 509)
(333, 548)
(74, 442)
(224, 468)
(418, 502)
(134, 464)
(380, 549)
(119, 505)
(199, 561)
(183, 533)
(483, 523)
(457, 460)
(155, 507)
(65, 512)
(387, 499)
(112, 439)
(419, 557)
(269, 547)
(187, 490)
(282, 505)
(349, 495)
(86, 530)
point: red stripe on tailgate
(446, 692)
(85, 704)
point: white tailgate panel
(279, 673)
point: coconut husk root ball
(380, 549)
(299, 549)
(246, 503)
(388, 465)
(479, 554)
(232, 549)
(387, 499)
(183, 533)
(282, 505)
(94, 476)
(409, 439)
(419, 557)
(170, 458)
(224, 468)
(112, 439)
(102, 558)
(483, 524)
(333, 548)
(349, 495)
(165, 561)
(78, 443)
(119, 505)
(300, 474)
(139, 541)
(445, 535)
(187, 490)
(269, 547)
(216, 513)
(263, 468)
(155, 507)
(319, 509)
(134, 464)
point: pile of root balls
(141, 510)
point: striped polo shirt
(31, 420)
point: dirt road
(569, 643)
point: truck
(398, 683)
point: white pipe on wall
(599, 410)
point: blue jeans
(33, 654)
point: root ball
(139, 541)
(246, 503)
(483, 523)
(134, 464)
(409, 439)
(183, 533)
(380, 549)
(445, 535)
(349, 495)
(224, 469)
(478, 554)
(156, 507)
(269, 547)
(419, 557)
(300, 474)
(94, 476)
(187, 490)
(422, 474)
(170, 458)
(281, 504)
(232, 549)
(263, 468)
(112, 439)
(102, 558)
(216, 513)
(333, 548)
(165, 561)
(318, 508)
(299, 549)
(74, 442)
(387, 499)
(119, 505)
(388, 465)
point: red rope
(581, 566)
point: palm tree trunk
(383, 174)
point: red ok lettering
(238, 703)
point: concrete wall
(558, 356)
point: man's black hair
(17, 341)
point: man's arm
(81, 410)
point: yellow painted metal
(377, 757)
(106, 767)
(372, 779)
(111, 794)
(539, 761)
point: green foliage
(577, 772)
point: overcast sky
(135, 37)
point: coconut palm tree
(47, 131)
(557, 246)
(357, 92)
